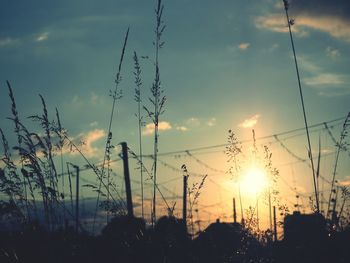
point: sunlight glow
(254, 181)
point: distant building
(304, 228)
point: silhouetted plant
(233, 152)
(157, 99)
(341, 146)
(116, 94)
(193, 192)
(138, 99)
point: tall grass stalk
(60, 145)
(290, 23)
(233, 151)
(341, 145)
(116, 94)
(158, 99)
(15, 118)
(138, 99)
(150, 176)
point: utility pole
(77, 170)
(270, 216)
(77, 199)
(274, 224)
(127, 179)
(257, 213)
(184, 200)
(234, 211)
(241, 204)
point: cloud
(193, 121)
(89, 139)
(337, 27)
(325, 79)
(339, 92)
(211, 122)
(181, 128)
(162, 126)
(250, 122)
(95, 99)
(327, 151)
(326, 84)
(278, 23)
(324, 16)
(8, 42)
(333, 53)
(345, 181)
(93, 124)
(233, 48)
(307, 65)
(244, 46)
(42, 37)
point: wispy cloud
(278, 23)
(181, 128)
(337, 27)
(162, 126)
(325, 79)
(96, 99)
(42, 37)
(250, 122)
(333, 53)
(326, 84)
(244, 46)
(193, 121)
(93, 124)
(8, 42)
(211, 122)
(345, 181)
(307, 65)
(89, 139)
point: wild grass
(138, 99)
(341, 146)
(35, 153)
(193, 193)
(237, 159)
(157, 99)
(116, 94)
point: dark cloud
(340, 8)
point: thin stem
(115, 96)
(339, 148)
(303, 106)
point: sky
(225, 65)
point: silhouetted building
(304, 228)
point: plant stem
(303, 106)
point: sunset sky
(225, 65)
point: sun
(254, 181)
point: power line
(249, 140)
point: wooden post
(77, 199)
(127, 179)
(274, 224)
(270, 216)
(257, 214)
(184, 200)
(234, 211)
